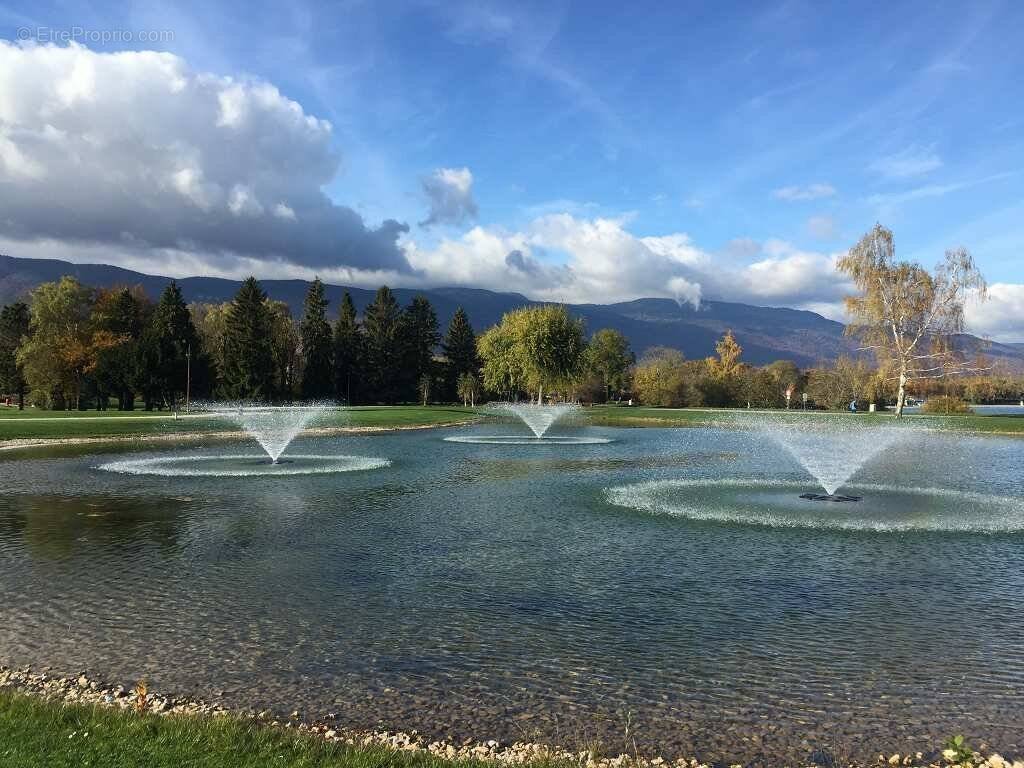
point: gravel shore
(84, 690)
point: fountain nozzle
(829, 497)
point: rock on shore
(83, 690)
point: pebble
(85, 691)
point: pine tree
(382, 323)
(14, 326)
(348, 352)
(317, 345)
(460, 351)
(249, 370)
(167, 343)
(418, 338)
(123, 313)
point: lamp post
(188, 375)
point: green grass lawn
(37, 424)
(34, 732)
(622, 416)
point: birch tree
(905, 314)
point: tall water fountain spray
(272, 426)
(832, 449)
(538, 417)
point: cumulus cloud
(135, 159)
(912, 161)
(807, 192)
(449, 192)
(136, 152)
(560, 257)
(1001, 317)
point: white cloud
(1001, 317)
(560, 257)
(912, 161)
(176, 172)
(284, 211)
(154, 158)
(242, 201)
(807, 192)
(449, 193)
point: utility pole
(188, 375)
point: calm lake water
(499, 592)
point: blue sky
(592, 134)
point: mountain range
(765, 333)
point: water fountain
(833, 449)
(274, 427)
(539, 418)
(830, 448)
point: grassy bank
(37, 424)
(621, 416)
(35, 732)
(34, 424)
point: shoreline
(25, 443)
(83, 690)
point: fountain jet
(539, 418)
(830, 448)
(272, 426)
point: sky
(580, 152)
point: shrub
(945, 404)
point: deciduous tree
(468, 388)
(609, 357)
(660, 378)
(59, 351)
(907, 315)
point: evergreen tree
(249, 369)
(122, 313)
(418, 338)
(348, 352)
(14, 326)
(318, 373)
(382, 323)
(169, 350)
(460, 351)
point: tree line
(72, 346)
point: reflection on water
(493, 591)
